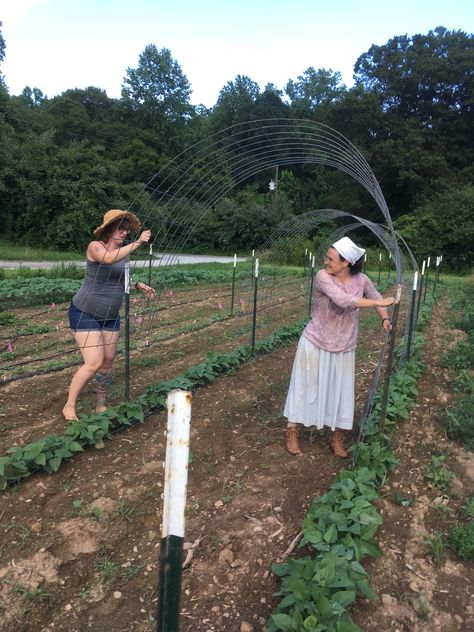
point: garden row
(340, 527)
(48, 453)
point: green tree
(235, 103)
(157, 87)
(313, 89)
(2, 56)
(444, 225)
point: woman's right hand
(385, 302)
(145, 237)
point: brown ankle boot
(292, 440)
(337, 446)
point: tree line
(66, 159)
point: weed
(461, 539)
(459, 357)
(463, 382)
(84, 592)
(23, 532)
(192, 507)
(106, 567)
(30, 595)
(94, 513)
(436, 546)
(443, 510)
(125, 511)
(437, 473)
(468, 508)
(130, 572)
(422, 608)
(459, 421)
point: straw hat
(115, 215)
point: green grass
(11, 252)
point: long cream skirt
(321, 391)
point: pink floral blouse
(334, 320)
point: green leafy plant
(92, 513)
(437, 473)
(468, 508)
(436, 546)
(461, 539)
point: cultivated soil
(79, 549)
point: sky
(56, 45)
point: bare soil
(79, 549)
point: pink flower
(219, 306)
(52, 306)
(139, 319)
(10, 347)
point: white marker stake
(174, 504)
(423, 268)
(235, 261)
(127, 278)
(415, 281)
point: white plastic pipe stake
(415, 280)
(423, 268)
(256, 268)
(235, 261)
(127, 278)
(176, 464)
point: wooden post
(174, 504)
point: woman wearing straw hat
(94, 310)
(321, 391)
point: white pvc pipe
(176, 463)
(127, 278)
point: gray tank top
(101, 292)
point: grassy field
(12, 252)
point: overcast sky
(55, 45)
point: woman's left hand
(149, 291)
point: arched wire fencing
(176, 199)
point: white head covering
(347, 249)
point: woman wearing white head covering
(321, 391)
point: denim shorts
(82, 321)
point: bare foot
(69, 412)
(100, 408)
